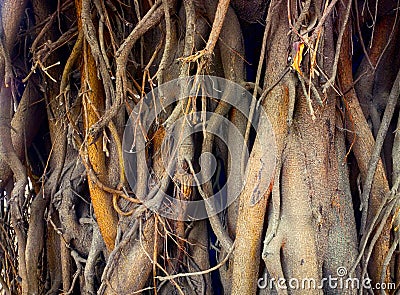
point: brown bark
(363, 145)
(198, 241)
(53, 250)
(134, 257)
(11, 14)
(22, 133)
(374, 84)
(306, 221)
(250, 221)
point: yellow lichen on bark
(93, 104)
(101, 200)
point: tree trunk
(107, 157)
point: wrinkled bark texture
(79, 216)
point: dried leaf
(299, 47)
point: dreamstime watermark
(339, 281)
(188, 96)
